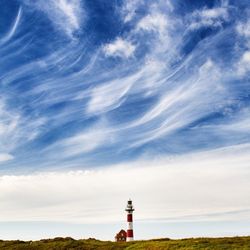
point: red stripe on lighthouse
(129, 218)
(130, 233)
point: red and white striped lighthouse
(130, 209)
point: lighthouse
(130, 209)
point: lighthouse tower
(129, 209)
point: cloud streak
(209, 17)
(13, 29)
(64, 14)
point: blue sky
(102, 99)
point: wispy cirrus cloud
(84, 142)
(129, 9)
(167, 83)
(183, 105)
(65, 15)
(8, 127)
(213, 17)
(13, 29)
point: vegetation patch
(233, 243)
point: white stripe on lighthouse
(130, 238)
(130, 225)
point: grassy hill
(241, 243)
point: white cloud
(66, 15)
(239, 123)
(195, 96)
(209, 183)
(16, 129)
(129, 9)
(9, 123)
(160, 26)
(85, 142)
(5, 157)
(110, 95)
(243, 65)
(214, 13)
(209, 17)
(153, 22)
(244, 29)
(119, 48)
(107, 97)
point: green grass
(233, 243)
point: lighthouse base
(130, 238)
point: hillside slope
(241, 243)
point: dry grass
(233, 243)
